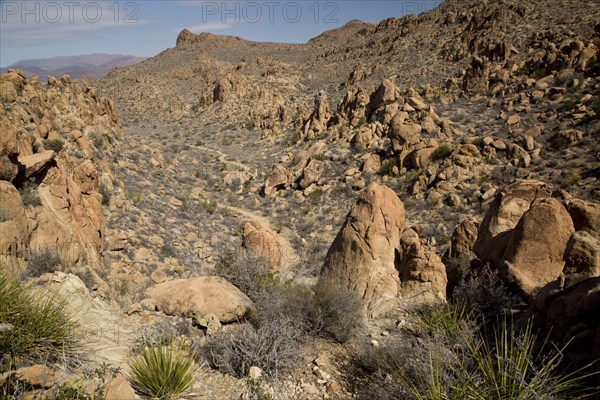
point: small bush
(485, 293)
(29, 195)
(56, 145)
(106, 195)
(441, 152)
(387, 167)
(245, 271)
(514, 366)
(340, 310)
(41, 329)
(573, 180)
(273, 347)
(161, 333)
(41, 261)
(449, 322)
(162, 372)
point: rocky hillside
(448, 157)
(57, 146)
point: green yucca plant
(456, 361)
(162, 372)
(37, 326)
(449, 320)
(519, 367)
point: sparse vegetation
(455, 361)
(106, 195)
(56, 145)
(162, 372)
(38, 327)
(441, 152)
(340, 310)
(29, 195)
(42, 260)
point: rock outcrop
(262, 242)
(54, 142)
(366, 254)
(201, 296)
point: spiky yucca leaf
(162, 372)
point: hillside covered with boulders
(387, 211)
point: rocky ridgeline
(56, 153)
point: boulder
(317, 121)
(365, 255)
(534, 254)
(202, 295)
(585, 215)
(262, 242)
(13, 226)
(572, 318)
(422, 274)
(279, 177)
(503, 216)
(582, 258)
(119, 389)
(311, 173)
(36, 162)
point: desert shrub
(56, 145)
(29, 195)
(340, 310)
(448, 322)
(388, 165)
(162, 372)
(106, 195)
(514, 365)
(407, 368)
(573, 180)
(245, 271)
(517, 366)
(41, 261)
(37, 327)
(484, 293)
(441, 152)
(161, 333)
(272, 347)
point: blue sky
(41, 29)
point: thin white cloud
(48, 22)
(207, 27)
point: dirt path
(223, 158)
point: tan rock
(158, 276)
(582, 258)
(585, 215)
(364, 256)
(503, 216)
(417, 103)
(204, 295)
(311, 173)
(534, 254)
(262, 242)
(8, 168)
(119, 389)
(279, 177)
(372, 163)
(422, 273)
(36, 162)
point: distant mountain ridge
(95, 65)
